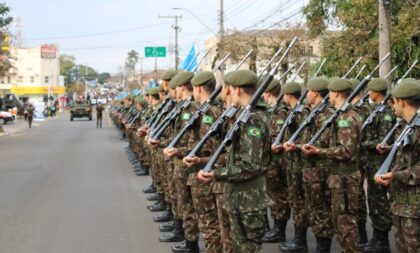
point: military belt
(407, 198)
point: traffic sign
(155, 51)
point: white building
(35, 73)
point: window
(20, 79)
(46, 79)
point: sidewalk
(20, 125)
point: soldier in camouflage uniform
(276, 172)
(379, 205)
(316, 169)
(344, 180)
(248, 156)
(296, 199)
(141, 107)
(404, 179)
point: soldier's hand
(310, 150)
(191, 161)
(276, 148)
(289, 147)
(154, 143)
(382, 149)
(385, 179)
(205, 177)
(141, 132)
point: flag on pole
(190, 61)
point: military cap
(226, 76)
(273, 84)
(354, 82)
(340, 84)
(243, 78)
(203, 78)
(154, 91)
(169, 74)
(318, 84)
(181, 78)
(378, 84)
(140, 100)
(291, 87)
(407, 89)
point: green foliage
(355, 34)
(103, 77)
(4, 20)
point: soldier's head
(340, 89)
(406, 96)
(166, 78)
(243, 86)
(272, 92)
(154, 94)
(292, 92)
(182, 81)
(203, 85)
(317, 90)
(226, 89)
(377, 88)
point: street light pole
(195, 16)
(176, 28)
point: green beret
(203, 78)
(243, 78)
(318, 84)
(407, 89)
(273, 84)
(140, 100)
(154, 91)
(378, 84)
(181, 78)
(340, 84)
(291, 87)
(333, 78)
(354, 82)
(226, 76)
(169, 74)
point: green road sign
(155, 51)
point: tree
(357, 33)
(131, 62)
(5, 21)
(67, 68)
(104, 77)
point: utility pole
(141, 72)
(384, 37)
(176, 28)
(221, 37)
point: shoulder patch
(254, 131)
(186, 116)
(207, 119)
(388, 117)
(342, 123)
(280, 122)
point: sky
(101, 32)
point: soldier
(379, 206)
(404, 179)
(316, 170)
(245, 192)
(293, 164)
(30, 111)
(344, 180)
(204, 201)
(276, 172)
(99, 110)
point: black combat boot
(166, 226)
(150, 189)
(176, 235)
(379, 243)
(277, 233)
(192, 247)
(159, 206)
(153, 197)
(298, 244)
(323, 245)
(165, 216)
(363, 238)
(180, 247)
(144, 171)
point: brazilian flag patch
(387, 117)
(280, 122)
(254, 131)
(342, 123)
(186, 116)
(207, 119)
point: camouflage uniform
(344, 180)
(245, 192)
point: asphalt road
(68, 187)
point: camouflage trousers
(407, 234)
(362, 213)
(248, 230)
(162, 173)
(379, 204)
(154, 167)
(224, 223)
(184, 202)
(318, 201)
(173, 194)
(205, 206)
(296, 198)
(277, 188)
(345, 199)
(143, 151)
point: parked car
(6, 117)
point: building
(35, 73)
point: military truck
(80, 109)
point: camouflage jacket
(277, 118)
(180, 123)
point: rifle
(403, 139)
(246, 113)
(204, 107)
(347, 102)
(138, 115)
(226, 115)
(199, 63)
(361, 71)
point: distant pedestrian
(30, 110)
(99, 109)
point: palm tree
(131, 62)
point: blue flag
(190, 62)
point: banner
(190, 61)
